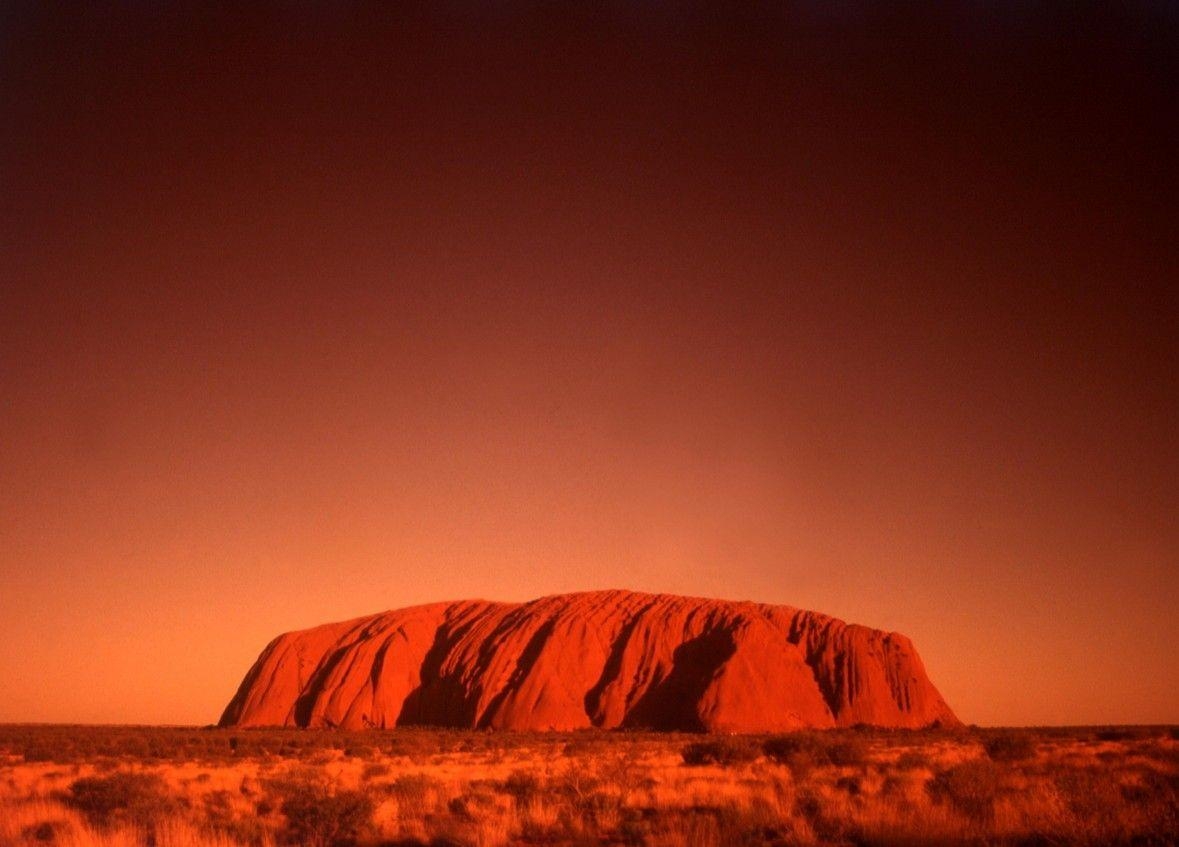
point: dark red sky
(307, 314)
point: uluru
(604, 659)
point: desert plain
(89, 786)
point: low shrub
(805, 750)
(851, 784)
(1123, 733)
(414, 794)
(971, 787)
(721, 751)
(913, 760)
(802, 752)
(848, 750)
(45, 832)
(1010, 746)
(375, 770)
(319, 817)
(825, 823)
(122, 797)
(522, 785)
(784, 748)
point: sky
(316, 312)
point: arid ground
(180, 786)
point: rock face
(599, 659)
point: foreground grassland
(86, 786)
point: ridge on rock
(604, 659)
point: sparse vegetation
(121, 797)
(722, 751)
(972, 786)
(319, 815)
(116, 787)
(1010, 746)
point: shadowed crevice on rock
(613, 667)
(440, 700)
(524, 666)
(672, 703)
(305, 705)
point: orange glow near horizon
(305, 319)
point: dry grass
(86, 787)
